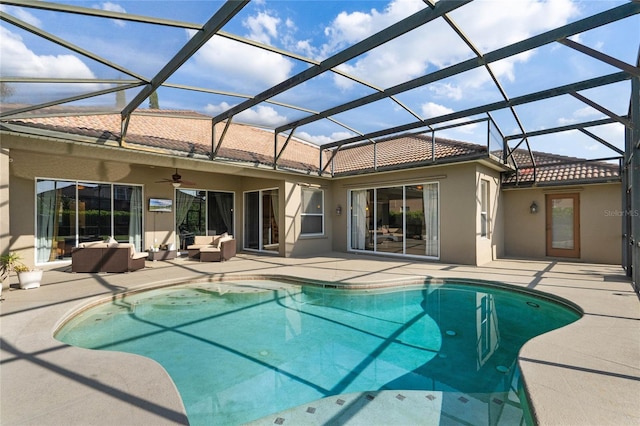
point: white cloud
(580, 114)
(112, 7)
(350, 28)
(322, 139)
(587, 112)
(19, 61)
(564, 121)
(489, 25)
(431, 109)
(217, 109)
(263, 116)
(242, 65)
(446, 90)
(22, 14)
(262, 27)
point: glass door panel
(415, 243)
(390, 220)
(252, 220)
(94, 211)
(563, 227)
(191, 219)
(127, 215)
(56, 220)
(362, 224)
(220, 213)
(270, 232)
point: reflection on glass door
(563, 225)
(405, 220)
(261, 230)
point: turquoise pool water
(238, 351)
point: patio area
(583, 374)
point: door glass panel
(389, 220)
(416, 235)
(362, 226)
(127, 215)
(220, 213)
(94, 211)
(270, 234)
(252, 220)
(562, 223)
(190, 215)
(56, 220)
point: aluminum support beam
(399, 28)
(601, 109)
(57, 40)
(78, 10)
(563, 128)
(634, 213)
(634, 71)
(607, 17)
(538, 96)
(69, 99)
(602, 141)
(228, 10)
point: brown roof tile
(189, 133)
(553, 168)
(405, 149)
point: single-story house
(67, 178)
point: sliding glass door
(71, 212)
(261, 229)
(405, 220)
(200, 212)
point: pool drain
(450, 333)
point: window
(484, 208)
(312, 216)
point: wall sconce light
(533, 208)
(339, 210)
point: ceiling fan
(176, 180)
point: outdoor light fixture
(339, 210)
(533, 208)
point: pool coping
(569, 380)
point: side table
(163, 255)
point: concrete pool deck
(587, 373)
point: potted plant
(27, 277)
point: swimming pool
(241, 350)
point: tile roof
(408, 150)
(558, 169)
(186, 133)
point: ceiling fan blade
(186, 182)
(164, 181)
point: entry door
(563, 225)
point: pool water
(238, 351)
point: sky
(317, 30)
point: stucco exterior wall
(600, 222)
(302, 245)
(457, 206)
(44, 159)
(490, 247)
